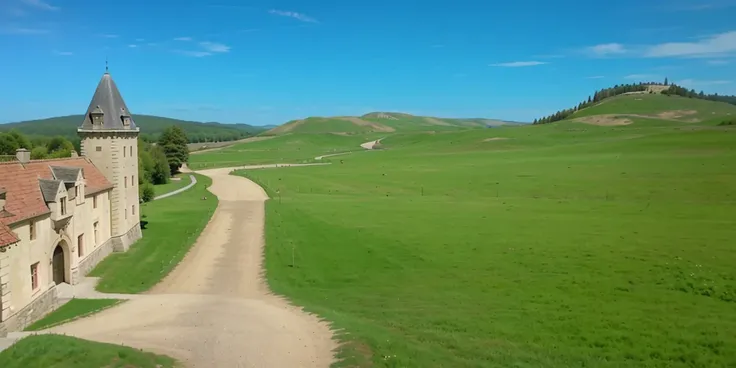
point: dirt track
(214, 309)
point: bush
(147, 192)
(728, 122)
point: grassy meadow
(562, 245)
(45, 351)
(290, 148)
(75, 308)
(170, 227)
(172, 185)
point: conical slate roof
(107, 99)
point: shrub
(147, 192)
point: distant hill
(151, 127)
(382, 122)
(650, 100)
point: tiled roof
(7, 236)
(21, 181)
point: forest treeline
(151, 128)
(598, 96)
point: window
(80, 245)
(94, 202)
(34, 276)
(98, 148)
(63, 206)
(133, 209)
(76, 191)
(132, 180)
(125, 149)
(125, 179)
(32, 228)
(95, 226)
(126, 213)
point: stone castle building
(60, 217)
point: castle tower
(110, 140)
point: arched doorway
(58, 269)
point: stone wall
(123, 242)
(32, 312)
(86, 265)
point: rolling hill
(624, 109)
(382, 122)
(151, 127)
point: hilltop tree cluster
(676, 90)
(597, 97)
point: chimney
(23, 155)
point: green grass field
(173, 225)
(75, 308)
(563, 245)
(47, 351)
(291, 148)
(172, 185)
(653, 104)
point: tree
(59, 147)
(161, 169)
(146, 192)
(7, 144)
(174, 141)
(666, 82)
(39, 153)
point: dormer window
(125, 117)
(96, 116)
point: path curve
(192, 181)
(214, 309)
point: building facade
(59, 218)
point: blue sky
(272, 61)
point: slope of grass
(378, 122)
(291, 148)
(565, 245)
(172, 225)
(149, 125)
(173, 185)
(46, 351)
(653, 104)
(329, 125)
(75, 308)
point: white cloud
(295, 15)
(40, 4)
(517, 64)
(717, 62)
(183, 39)
(716, 45)
(133, 46)
(23, 30)
(647, 77)
(139, 40)
(194, 53)
(214, 47)
(595, 77)
(64, 53)
(606, 49)
(701, 83)
(109, 35)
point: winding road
(214, 309)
